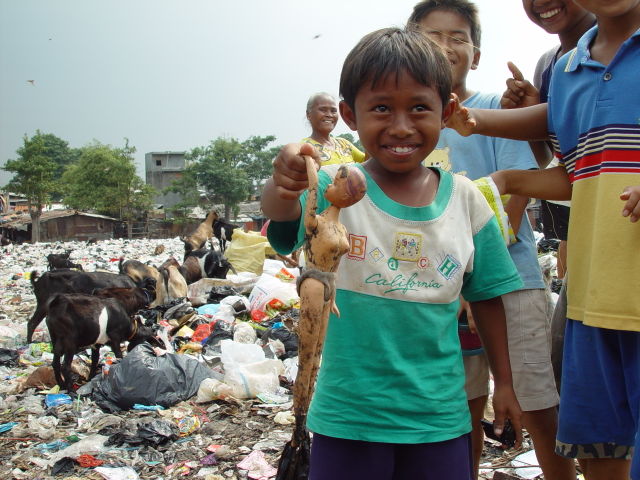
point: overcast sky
(173, 75)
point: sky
(176, 74)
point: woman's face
(323, 115)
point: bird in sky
(32, 82)
(316, 36)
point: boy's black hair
(392, 51)
(465, 9)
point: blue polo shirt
(594, 123)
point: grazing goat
(61, 260)
(223, 231)
(132, 299)
(68, 281)
(77, 321)
(205, 263)
(200, 235)
(138, 271)
(175, 283)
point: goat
(200, 235)
(68, 281)
(132, 299)
(77, 321)
(138, 271)
(205, 263)
(223, 231)
(61, 260)
(174, 281)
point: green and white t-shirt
(392, 366)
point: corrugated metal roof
(17, 219)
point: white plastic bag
(271, 291)
(247, 370)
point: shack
(60, 225)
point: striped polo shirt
(594, 123)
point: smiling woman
(322, 114)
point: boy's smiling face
(453, 33)
(611, 8)
(398, 121)
(555, 16)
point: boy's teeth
(401, 149)
(550, 13)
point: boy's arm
(514, 209)
(528, 123)
(491, 324)
(548, 184)
(289, 180)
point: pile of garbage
(213, 400)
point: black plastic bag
(149, 433)
(142, 377)
(8, 358)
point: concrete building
(161, 169)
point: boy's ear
(448, 109)
(348, 115)
(476, 58)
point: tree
(229, 170)
(352, 139)
(104, 179)
(187, 188)
(34, 176)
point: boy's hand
(632, 206)
(290, 171)
(505, 405)
(461, 119)
(519, 92)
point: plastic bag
(247, 370)
(270, 295)
(142, 377)
(212, 389)
(247, 251)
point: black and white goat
(77, 321)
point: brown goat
(174, 282)
(138, 271)
(200, 235)
(132, 299)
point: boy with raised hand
(569, 21)
(592, 119)
(390, 401)
(454, 25)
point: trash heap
(212, 400)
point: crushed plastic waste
(211, 400)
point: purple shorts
(341, 459)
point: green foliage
(229, 170)
(352, 139)
(33, 172)
(104, 179)
(187, 189)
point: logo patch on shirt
(424, 263)
(357, 246)
(376, 254)
(448, 267)
(407, 246)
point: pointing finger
(515, 71)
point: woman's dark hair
(393, 51)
